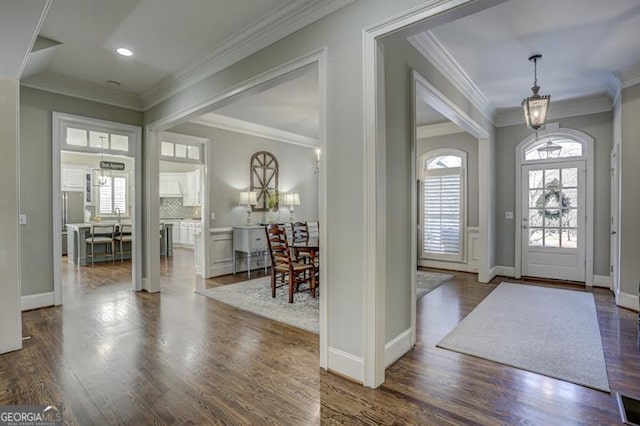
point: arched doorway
(554, 205)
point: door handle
(525, 227)
(613, 232)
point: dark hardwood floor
(111, 355)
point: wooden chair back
(278, 247)
(300, 231)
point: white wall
(10, 318)
(231, 155)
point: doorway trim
(59, 120)
(152, 155)
(614, 269)
(554, 130)
(422, 90)
(205, 209)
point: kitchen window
(113, 195)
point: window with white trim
(113, 195)
(443, 204)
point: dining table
(310, 245)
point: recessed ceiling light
(124, 51)
(114, 83)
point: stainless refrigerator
(72, 212)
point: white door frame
(424, 91)
(59, 120)
(614, 269)
(374, 174)
(152, 155)
(205, 211)
(554, 130)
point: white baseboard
(628, 301)
(603, 281)
(35, 301)
(449, 266)
(217, 270)
(346, 364)
(396, 348)
(505, 271)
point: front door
(553, 221)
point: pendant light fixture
(535, 107)
(549, 150)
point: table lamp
(291, 199)
(248, 198)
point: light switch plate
(508, 215)
(22, 219)
(213, 216)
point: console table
(252, 241)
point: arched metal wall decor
(264, 180)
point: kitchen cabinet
(184, 232)
(72, 178)
(171, 185)
(185, 185)
(191, 195)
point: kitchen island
(77, 247)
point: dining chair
(101, 234)
(301, 233)
(124, 236)
(283, 263)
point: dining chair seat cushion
(124, 238)
(99, 240)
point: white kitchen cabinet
(171, 184)
(72, 178)
(184, 232)
(192, 189)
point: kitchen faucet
(117, 210)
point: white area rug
(544, 330)
(255, 296)
(428, 281)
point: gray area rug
(548, 331)
(255, 296)
(429, 281)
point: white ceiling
(292, 106)
(164, 35)
(582, 42)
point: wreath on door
(553, 192)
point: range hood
(171, 188)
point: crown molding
(592, 104)
(63, 85)
(430, 47)
(439, 129)
(629, 75)
(253, 38)
(235, 125)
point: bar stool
(101, 234)
(124, 236)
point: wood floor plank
(113, 356)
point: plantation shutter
(443, 215)
(106, 202)
(120, 194)
(113, 195)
